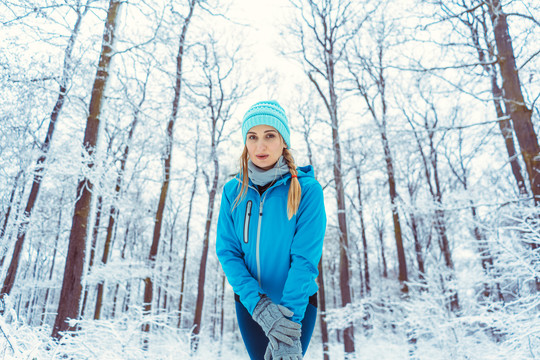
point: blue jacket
(263, 252)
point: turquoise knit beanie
(267, 113)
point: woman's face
(264, 145)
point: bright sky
(266, 19)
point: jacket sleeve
(306, 251)
(231, 257)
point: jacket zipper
(257, 251)
(258, 242)
(247, 217)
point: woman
(270, 237)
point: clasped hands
(283, 334)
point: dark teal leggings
(255, 339)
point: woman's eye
(252, 137)
(270, 136)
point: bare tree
(488, 61)
(218, 91)
(497, 52)
(114, 211)
(308, 123)
(514, 102)
(356, 164)
(430, 121)
(53, 259)
(492, 289)
(167, 159)
(188, 226)
(67, 74)
(379, 224)
(70, 295)
(413, 183)
(323, 33)
(369, 78)
(10, 206)
(93, 245)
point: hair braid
(295, 191)
(245, 179)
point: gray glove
(284, 351)
(268, 352)
(273, 320)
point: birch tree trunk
(70, 295)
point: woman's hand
(273, 319)
(284, 351)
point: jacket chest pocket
(247, 217)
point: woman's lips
(261, 157)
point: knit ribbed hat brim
(267, 113)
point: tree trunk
(513, 99)
(508, 134)
(431, 173)
(68, 306)
(113, 213)
(10, 206)
(323, 66)
(344, 282)
(380, 233)
(486, 260)
(39, 168)
(53, 259)
(216, 304)
(122, 256)
(504, 124)
(320, 279)
(222, 316)
(403, 276)
(367, 285)
(93, 246)
(202, 268)
(440, 220)
(148, 288)
(379, 81)
(104, 259)
(418, 249)
(322, 312)
(188, 224)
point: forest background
(119, 125)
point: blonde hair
(295, 191)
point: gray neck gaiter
(262, 177)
